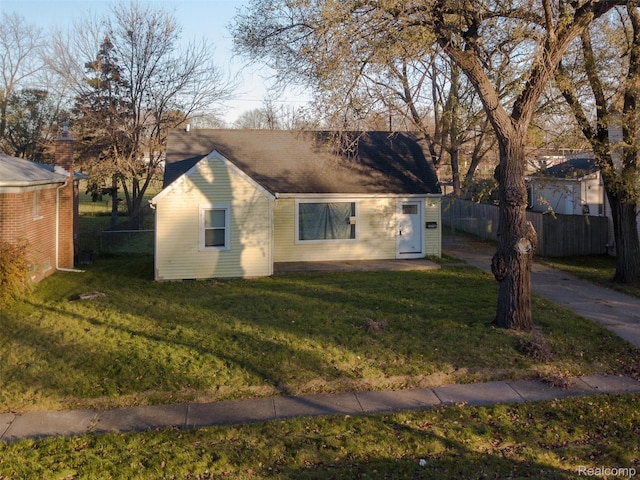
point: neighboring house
(573, 187)
(235, 201)
(38, 205)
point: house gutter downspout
(58, 267)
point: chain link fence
(121, 242)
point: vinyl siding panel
(213, 183)
(375, 234)
(433, 236)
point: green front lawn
(142, 342)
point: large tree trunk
(625, 226)
(517, 241)
(454, 153)
(625, 203)
(114, 201)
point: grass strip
(559, 439)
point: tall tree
(102, 120)
(430, 93)
(263, 118)
(606, 64)
(272, 117)
(30, 123)
(306, 37)
(20, 60)
(162, 85)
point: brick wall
(21, 222)
(30, 216)
(68, 203)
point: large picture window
(214, 227)
(319, 221)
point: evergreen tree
(102, 113)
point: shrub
(535, 347)
(14, 272)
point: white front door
(409, 229)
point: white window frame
(227, 226)
(325, 200)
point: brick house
(39, 206)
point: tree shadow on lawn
(66, 372)
(268, 336)
(329, 298)
(241, 341)
(462, 465)
(79, 370)
(433, 469)
(445, 443)
(383, 447)
(362, 447)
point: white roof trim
(357, 195)
(213, 155)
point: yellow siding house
(235, 202)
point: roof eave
(19, 186)
(356, 195)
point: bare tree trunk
(136, 213)
(114, 201)
(517, 241)
(454, 154)
(3, 116)
(625, 227)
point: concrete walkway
(615, 311)
(76, 422)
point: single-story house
(38, 206)
(235, 202)
(573, 187)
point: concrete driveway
(616, 311)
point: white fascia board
(21, 187)
(356, 195)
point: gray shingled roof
(308, 161)
(574, 168)
(17, 172)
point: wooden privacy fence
(558, 235)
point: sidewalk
(78, 422)
(617, 312)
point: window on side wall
(325, 221)
(214, 227)
(36, 205)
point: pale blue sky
(198, 18)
